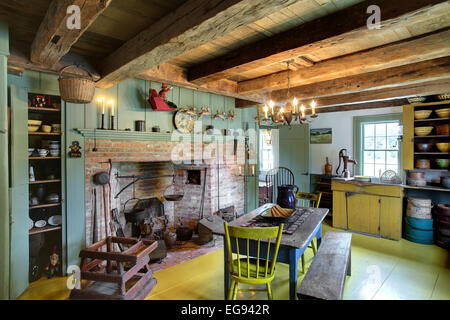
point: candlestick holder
(103, 122)
(112, 123)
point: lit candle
(302, 109)
(266, 109)
(313, 106)
(271, 104)
(253, 170)
(111, 102)
(240, 170)
(282, 110)
(101, 102)
(295, 104)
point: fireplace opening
(193, 177)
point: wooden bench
(325, 278)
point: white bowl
(55, 220)
(40, 223)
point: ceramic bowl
(443, 130)
(56, 127)
(422, 164)
(442, 163)
(423, 131)
(443, 113)
(55, 220)
(416, 99)
(34, 122)
(40, 223)
(445, 182)
(443, 146)
(33, 128)
(30, 151)
(424, 147)
(54, 153)
(46, 128)
(422, 114)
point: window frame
(358, 139)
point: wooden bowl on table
(423, 131)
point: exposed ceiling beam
(192, 24)
(437, 69)
(397, 54)
(177, 76)
(310, 36)
(364, 105)
(18, 61)
(419, 89)
(368, 96)
(53, 38)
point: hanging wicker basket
(76, 89)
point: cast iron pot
(101, 178)
(184, 233)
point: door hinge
(3, 131)
(349, 194)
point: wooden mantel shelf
(136, 135)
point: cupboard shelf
(36, 109)
(47, 205)
(44, 229)
(44, 133)
(45, 181)
(44, 158)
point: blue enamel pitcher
(286, 196)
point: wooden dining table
(292, 245)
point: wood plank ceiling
(239, 48)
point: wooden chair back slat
(309, 199)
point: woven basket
(76, 89)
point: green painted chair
(311, 200)
(250, 270)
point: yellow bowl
(443, 146)
(46, 129)
(423, 131)
(443, 113)
(422, 114)
(34, 122)
(33, 128)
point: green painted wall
(4, 194)
(130, 100)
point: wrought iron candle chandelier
(290, 113)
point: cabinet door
(363, 213)
(391, 218)
(339, 210)
(19, 257)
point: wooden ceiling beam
(18, 61)
(368, 96)
(177, 76)
(192, 24)
(404, 52)
(419, 89)
(53, 38)
(363, 106)
(322, 32)
(416, 73)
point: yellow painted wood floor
(381, 269)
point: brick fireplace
(224, 187)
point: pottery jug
(286, 196)
(328, 168)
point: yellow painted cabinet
(363, 213)
(371, 209)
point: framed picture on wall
(321, 136)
